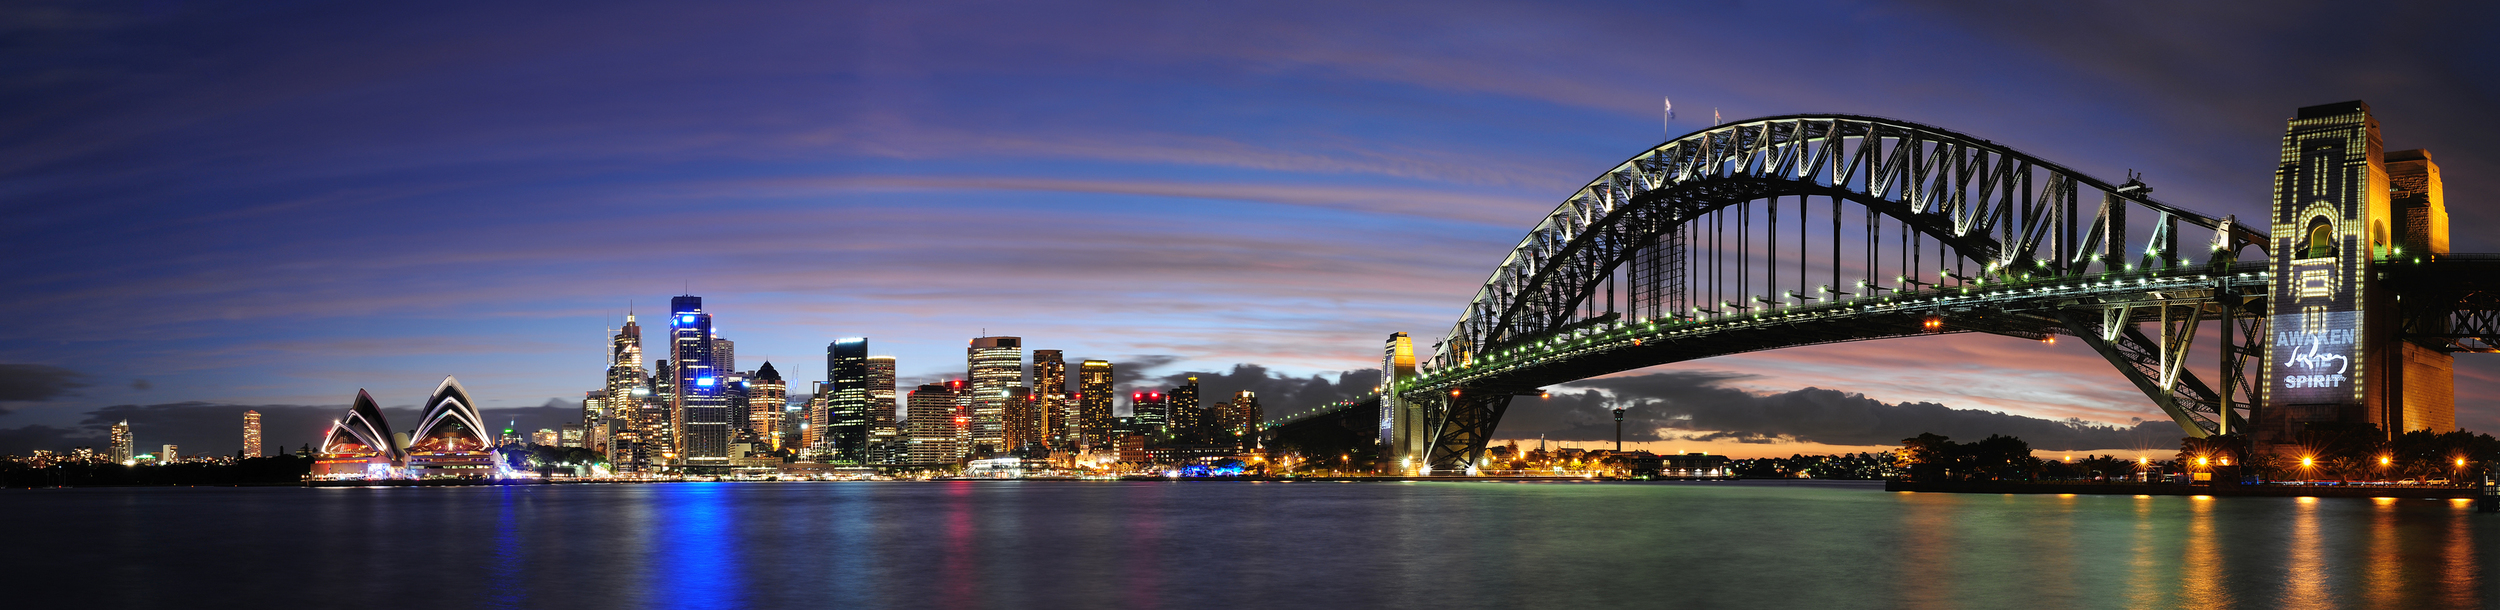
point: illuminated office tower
(251, 434)
(846, 369)
(993, 364)
(734, 392)
(662, 430)
(2342, 207)
(767, 395)
(1151, 411)
(929, 425)
(1050, 398)
(701, 411)
(546, 437)
(1024, 425)
(628, 386)
(1093, 397)
(569, 435)
(724, 353)
(881, 403)
(1186, 416)
(1245, 418)
(172, 453)
(121, 441)
(794, 428)
(819, 419)
(963, 417)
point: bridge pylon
(2338, 352)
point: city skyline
(1237, 188)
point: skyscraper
(766, 395)
(993, 364)
(735, 392)
(1245, 418)
(819, 421)
(1186, 416)
(172, 453)
(251, 434)
(621, 432)
(1050, 398)
(881, 403)
(930, 424)
(724, 353)
(1024, 424)
(702, 409)
(1152, 411)
(1093, 382)
(121, 441)
(846, 370)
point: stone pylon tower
(1401, 421)
(2335, 354)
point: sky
(213, 207)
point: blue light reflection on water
(699, 558)
(1216, 545)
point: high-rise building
(1093, 397)
(251, 434)
(1024, 424)
(846, 369)
(570, 435)
(735, 390)
(1186, 416)
(546, 437)
(993, 364)
(702, 412)
(620, 425)
(1245, 418)
(724, 353)
(172, 453)
(767, 395)
(1050, 398)
(122, 448)
(1152, 411)
(930, 425)
(794, 428)
(819, 421)
(881, 403)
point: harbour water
(1140, 545)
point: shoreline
(2145, 489)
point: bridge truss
(1799, 230)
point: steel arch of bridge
(2022, 221)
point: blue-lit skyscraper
(701, 410)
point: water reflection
(698, 564)
(2203, 560)
(1241, 545)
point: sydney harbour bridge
(2345, 306)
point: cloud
(141, 384)
(1699, 406)
(36, 382)
(1278, 393)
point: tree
(1928, 456)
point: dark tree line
(279, 469)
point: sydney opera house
(448, 442)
